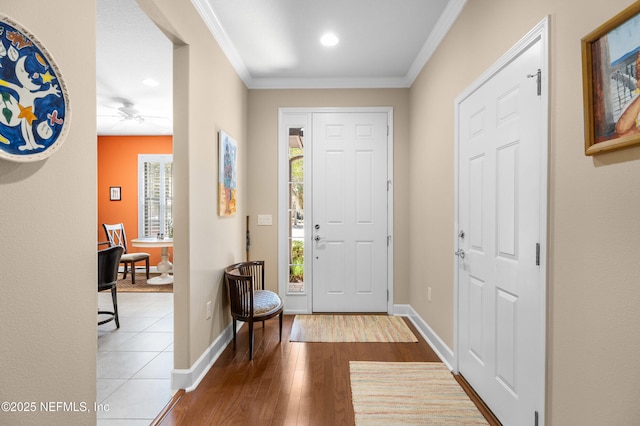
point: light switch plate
(265, 220)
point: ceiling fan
(127, 115)
(127, 111)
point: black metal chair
(108, 262)
(250, 302)
(117, 237)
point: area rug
(350, 328)
(141, 286)
(409, 393)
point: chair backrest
(116, 235)
(255, 268)
(242, 280)
(108, 262)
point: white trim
(449, 15)
(441, 349)
(330, 83)
(189, 379)
(543, 29)
(211, 21)
(445, 21)
(390, 209)
(539, 33)
(301, 117)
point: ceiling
(129, 49)
(271, 44)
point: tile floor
(134, 362)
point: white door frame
(301, 303)
(539, 32)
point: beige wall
(208, 97)
(593, 271)
(263, 166)
(48, 266)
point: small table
(164, 267)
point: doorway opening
(136, 118)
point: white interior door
(500, 296)
(350, 212)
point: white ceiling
(130, 48)
(271, 44)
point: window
(155, 195)
(296, 211)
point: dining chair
(249, 301)
(118, 237)
(108, 261)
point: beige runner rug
(409, 393)
(124, 285)
(350, 328)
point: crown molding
(445, 22)
(329, 83)
(211, 21)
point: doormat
(350, 328)
(409, 393)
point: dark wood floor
(287, 383)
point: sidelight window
(296, 210)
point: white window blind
(155, 195)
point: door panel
(336, 282)
(350, 212)
(499, 191)
(506, 338)
(364, 265)
(333, 203)
(476, 318)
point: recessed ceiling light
(329, 39)
(150, 82)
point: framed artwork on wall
(115, 193)
(227, 174)
(611, 83)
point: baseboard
(440, 348)
(141, 269)
(188, 379)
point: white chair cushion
(265, 302)
(134, 257)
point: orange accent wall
(118, 166)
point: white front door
(350, 212)
(500, 296)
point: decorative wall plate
(34, 103)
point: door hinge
(388, 184)
(387, 295)
(538, 77)
(535, 418)
(387, 130)
(388, 240)
(537, 254)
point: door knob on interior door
(460, 253)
